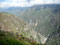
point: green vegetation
(7, 38)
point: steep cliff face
(54, 38)
(42, 18)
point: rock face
(43, 18)
(54, 38)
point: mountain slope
(11, 23)
(43, 18)
(54, 38)
(12, 29)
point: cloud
(24, 3)
(13, 3)
(10, 4)
(46, 1)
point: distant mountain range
(16, 10)
(13, 10)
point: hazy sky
(24, 3)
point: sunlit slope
(10, 22)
